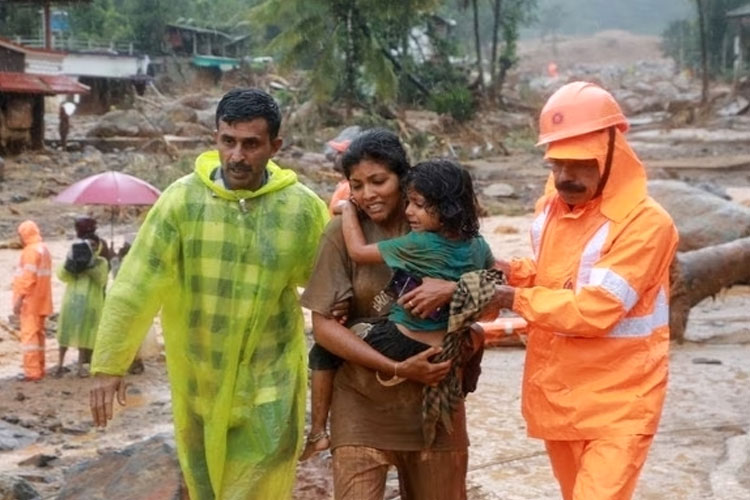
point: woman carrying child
(375, 426)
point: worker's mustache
(239, 165)
(570, 187)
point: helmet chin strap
(607, 163)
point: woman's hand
(340, 311)
(427, 297)
(419, 369)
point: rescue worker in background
(222, 253)
(32, 298)
(342, 191)
(595, 295)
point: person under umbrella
(85, 275)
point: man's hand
(340, 311)
(419, 368)
(102, 396)
(503, 299)
(502, 265)
(427, 297)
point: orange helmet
(578, 108)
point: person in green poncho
(85, 275)
(221, 254)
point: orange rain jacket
(596, 297)
(34, 273)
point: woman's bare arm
(356, 244)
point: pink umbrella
(110, 188)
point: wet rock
(198, 101)
(499, 190)
(38, 460)
(737, 106)
(75, 430)
(179, 113)
(207, 118)
(13, 437)
(702, 218)
(188, 129)
(16, 488)
(706, 361)
(111, 477)
(128, 123)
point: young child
(444, 243)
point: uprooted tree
(704, 273)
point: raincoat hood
(626, 185)
(278, 178)
(29, 232)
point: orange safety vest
(596, 297)
(33, 279)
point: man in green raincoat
(222, 253)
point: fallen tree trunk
(704, 273)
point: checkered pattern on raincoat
(223, 266)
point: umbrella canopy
(110, 188)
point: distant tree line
(682, 39)
(447, 55)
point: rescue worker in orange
(32, 298)
(595, 295)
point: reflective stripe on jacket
(595, 295)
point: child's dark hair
(379, 145)
(245, 104)
(448, 191)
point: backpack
(80, 257)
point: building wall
(11, 60)
(101, 65)
(43, 65)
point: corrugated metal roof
(27, 83)
(743, 11)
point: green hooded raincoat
(224, 267)
(82, 305)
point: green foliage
(681, 39)
(21, 20)
(349, 46)
(456, 101)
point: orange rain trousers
(599, 469)
(32, 344)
